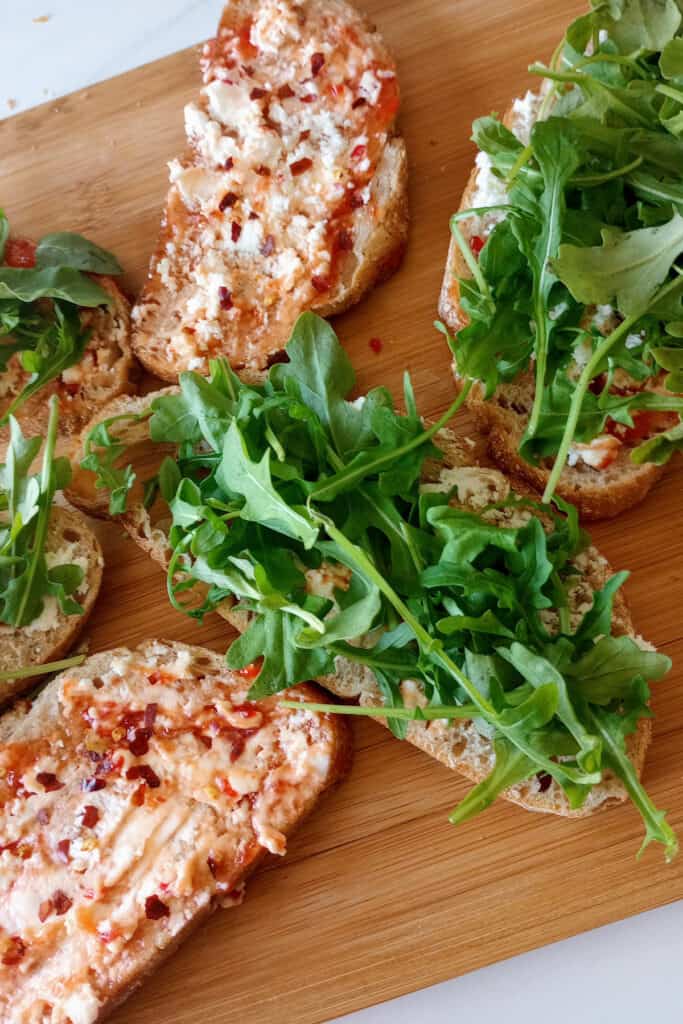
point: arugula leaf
(52, 283)
(607, 670)
(102, 452)
(272, 636)
(4, 234)
(511, 767)
(641, 24)
(64, 249)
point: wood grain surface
(378, 895)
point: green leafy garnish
(307, 511)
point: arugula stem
(36, 670)
(432, 712)
(599, 179)
(578, 78)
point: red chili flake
(20, 253)
(321, 284)
(61, 902)
(268, 247)
(544, 781)
(345, 240)
(299, 166)
(13, 951)
(12, 847)
(304, 135)
(49, 781)
(92, 785)
(150, 715)
(157, 677)
(317, 61)
(253, 216)
(359, 152)
(263, 171)
(90, 816)
(143, 771)
(43, 816)
(250, 671)
(285, 92)
(138, 741)
(228, 201)
(155, 908)
(225, 297)
(308, 99)
(229, 164)
(257, 94)
(44, 910)
(225, 787)
(206, 740)
(212, 865)
(360, 102)
(138, 797)
(477, 243)
(376, 344)
(63, 851)
(235, 231)
(248, 70)
(356, 201)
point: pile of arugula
(39, 307)
(25, 508)
(271, 482)
(593, 217)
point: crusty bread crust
(107, 369)
(332, 741)
(20, 648)
(256, 319)
(597, 494)
(459, 745)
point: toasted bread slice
(155, 789)
(598, 493)
(459, 745)
(292, 196)
(53, 634)
(106, 370)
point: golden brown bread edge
(20, 648)
(341, 742)
(597, 494)
(457, 745)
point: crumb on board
(42, 19)
(12, 103)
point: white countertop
(623, 973)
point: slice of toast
(458, 744)
(106, 370)
(598, 493)
(292, 195)
(49, 637)
(137, 794)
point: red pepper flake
(345, 240)
(263, 171)
(138, 797)
(360, 102)
(61, 902)
(299, 166)
(138, 741)
(206, 740)
(248, 70)
(356, 201)
(49, 781)
(257, 94)
(253, 216)
(376, 344)
(235, 231)
(212, 865)
(225, 787)
(13, 951)
(359, 152)
(150, 715)
(155, 908)
(143, 771)
(285, 92)
(64, 851)
(250, 671)
(92, 785)
(544, 781)
(477, 243)
(317, 61)
(229, 164)
(321, 284)
(304, 135)
(90, 816)
(20, 253)
(308, 99)
(268, 247)
(44, 910)
(225, 298)
(228, 201)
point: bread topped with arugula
(137, 794)
(352, 544)
(64, 331)
(50, 561)
(291, 195)
(562, 288)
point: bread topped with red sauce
(136, 794)
(291, 196)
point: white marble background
(625, 973)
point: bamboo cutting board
(378, 895)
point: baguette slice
(291, 196)
(53, 634)
(137, 794)
(597, 493)
(106, 370)
(458, 745)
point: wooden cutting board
(379, 895)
